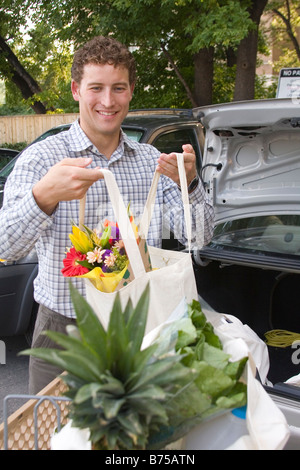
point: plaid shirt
(24, 226)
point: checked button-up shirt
(24, 226)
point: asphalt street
(13, 373)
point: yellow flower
(80, 240)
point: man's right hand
(67, 180)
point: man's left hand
(167, 164)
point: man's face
(104, 95)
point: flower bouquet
(100, 256)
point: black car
(166, 129)
(6, 155)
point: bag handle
(122, 218)
(149, 207)
(123, 221)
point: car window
(4, 160)
(5, 171)
(276, 234)
(172, 141)
(133, 134)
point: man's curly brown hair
(103, 50)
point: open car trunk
(251, 267)
(263, 299)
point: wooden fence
(14, 129)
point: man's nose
(107, 97)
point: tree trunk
(246, 56)
(22, 79)
(204, 73)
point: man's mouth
(107, 113)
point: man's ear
(75, 90)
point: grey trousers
(41, 373)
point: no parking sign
(289, 84)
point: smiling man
(42, 193)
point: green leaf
(72, 344)
(86, 392)
(211, 380)
(66, 361)
(117, 340)
(142, 357)
(137, 322)
(150, 408)
(235, 369)
(198, 317)
(89, 325)
(151, 391)
(214, 356)
(128, 311)
(131, 422)
(112, 386)
(112, 406)
(154, 371)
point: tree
(188, 52)
(284, 31)
(20, 77)
(247, 54)
(184, 34)
(288, 14)
(35, 66)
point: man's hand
(167, 164)
(67, 180)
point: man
(42, 194)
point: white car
(251, 268)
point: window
(173, 141)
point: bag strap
(149, 207)
(123, 222)
(122, 218)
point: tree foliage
(188, 52)
(285, 23)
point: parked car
(167, 130)
(251, 268)
(6, 155)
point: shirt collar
(79, 140)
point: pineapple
(132, 398)
(121, 393)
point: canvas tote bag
(172, 277)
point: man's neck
(105, 143)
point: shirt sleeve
(21, 219)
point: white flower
(110, 260)
(95, 255)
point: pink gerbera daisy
(71, 266)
